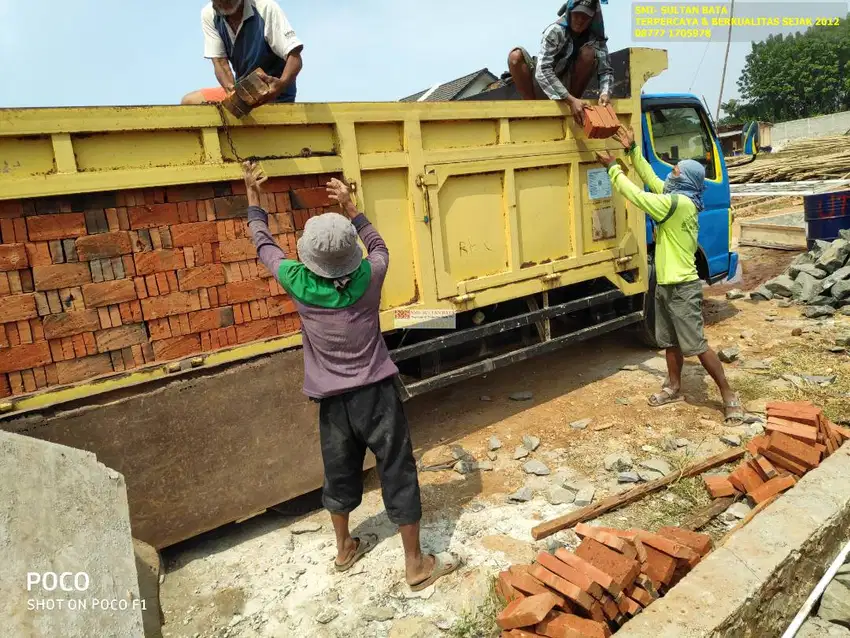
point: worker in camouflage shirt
(571, 50)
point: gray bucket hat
(329, 246)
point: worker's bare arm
(224, 74)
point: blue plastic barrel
(826, 214)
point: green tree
(792, 77)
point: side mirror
(750, 139)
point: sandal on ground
(364, 546)
(733, 413)
(444, 564)
(665, 397)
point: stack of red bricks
(797, 438)
(103, 283)
(600, 122)
(612, 576)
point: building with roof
(459, 89)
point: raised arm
(658, 207)
(379, 255)
(270, 254)
(626, 137)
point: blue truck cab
(677, 127)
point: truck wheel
(647, 327)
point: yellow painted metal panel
(25, 156)
(380, 138)
(549, 129)
(545, 214)
(272, 142)
(386, 198)
(459, 134)
(143, 149)
(472, 231)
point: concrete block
(756, 582)
(64, 513)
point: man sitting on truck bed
(249, 34)
(571, 50)
(674, 205)
(348, 371)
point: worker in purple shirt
(348, 371)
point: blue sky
(117, 52)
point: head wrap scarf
(597, 26)
(690, 182)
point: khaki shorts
(678, 318)
(532, 65)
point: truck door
(679, 131)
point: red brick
(193, 233)
(48, 227)
(254, 330)
(562, 586)
(794, 449)
(162, 283)
(805, 433)
(504, 585)
(177, 347)
(13, 257)
(659, 566)
(211, 319)
(242, 291)
(306, 198)
(230, 207)
(155, 261)
(785, 463)
(121, 337)
(667, 545)
(68, 324)
(765, 468)
(109, 293)
(718, 486)
(24, 357)
(189, 192)
(700, 543)
(526, 612)
(570, 626)
(104, 245)
(152, 216)
(39, 254)
(83, 368)
(772, 488)
(570, 574)
(60, 276)
(757, 444)
(172, 304)
(597, 575)
(237, 250)
(18, 308)
(844, 433)
(621, 568)
(526, 584)
(584, 530)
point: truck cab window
(680, 133)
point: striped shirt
(556, 55)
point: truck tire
(647, 327)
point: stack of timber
(813, 159)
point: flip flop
(665, 397)
(733, 413)
(364, 546)
(444, 564)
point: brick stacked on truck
(105, 283)
(612, 576)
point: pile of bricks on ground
(612, 576)
(102, 283)
(797, 438)
(600, 122)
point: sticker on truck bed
(598, 184)
(425, 319)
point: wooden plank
(705, 515)
(593, 511)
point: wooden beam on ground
(705, 515)
(593, 511)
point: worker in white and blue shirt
(243, 35)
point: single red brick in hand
(526, 612)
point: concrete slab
(754, 584)
(68, 567)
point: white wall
(835, 124)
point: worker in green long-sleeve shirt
(674, 205)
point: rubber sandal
(444, 564)
(364, 546)
(733, 413)
(665, 397)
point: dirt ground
(272, 576)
